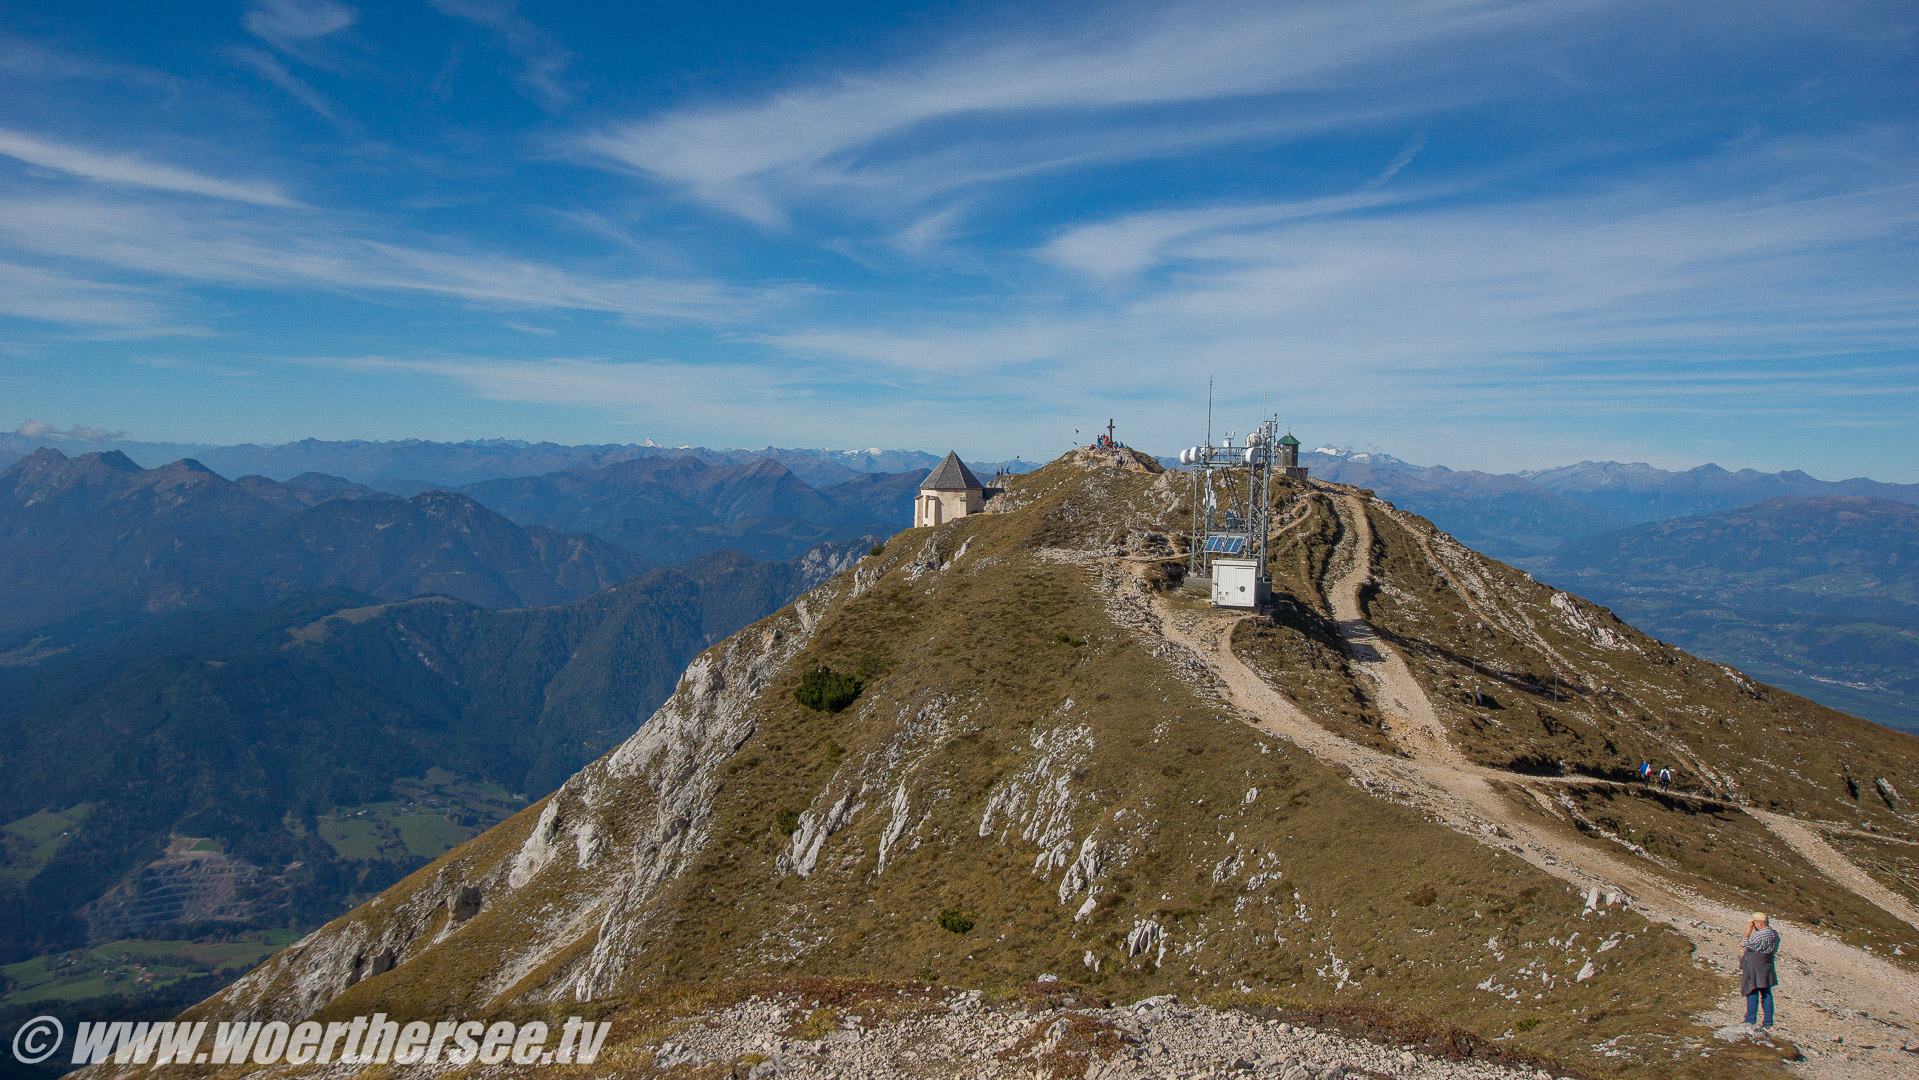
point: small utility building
(1288, 464)
(948, 492)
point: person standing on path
(1757, 976)
(1665, 778)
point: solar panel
(1225, 545)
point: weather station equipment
(1232, 515)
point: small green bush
(834, 751)
(956, 921)
(1068, 639)
(826, 690)
(878, 549)
(788, 822)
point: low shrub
(825, 690)
(955, 920)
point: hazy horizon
(88, 440)
(1491, 233)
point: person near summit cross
(1757, 976)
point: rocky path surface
(1410, 716)
(958, 1035)
(1851, 1013)
(1813, 848)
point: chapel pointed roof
(951, 475)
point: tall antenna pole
(1209, 410)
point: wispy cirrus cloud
(1657, 294)
(996, 109)
(269, 67)
(288, 24)
(1136, 242)
(21, 58)
(543, 60)
(134, 171)
(33, 292)
(762, 404)
(334, 252)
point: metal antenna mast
(1231, 524)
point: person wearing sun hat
(1757, 976)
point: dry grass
(1309, 896)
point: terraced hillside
(1011, 752)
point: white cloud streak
(286, 23)
(324, 251)
(1646, 297)
(129, 170)
(34, 293)
(273, 71)
(543, 60)
(849, 131)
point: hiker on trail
(1645, 770)
(1756, 974)
(1665, 778)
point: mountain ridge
(98, 533)
(1048, 740)
(452, 464)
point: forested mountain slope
(253, 729)
(100, 534)
(672, 509)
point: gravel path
(1850, 1012)
(1410, 716)
(1813, 848)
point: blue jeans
(1753, 1001)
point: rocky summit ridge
(1402, 807)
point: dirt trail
(1848, 1010)
(1814, 849)
(1410, 717)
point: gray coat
(1755, 967)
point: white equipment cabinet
(1237, 583)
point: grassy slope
(1559, 697)
(1358, 900)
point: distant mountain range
(1515, 515)
(1818, 595)
(256, 666)
(98, 533)
(1640, 492)
(1510, 515)
(672, 509)
(408, 466)
(591, 514)
(269, 733)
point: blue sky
(1485, 234)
